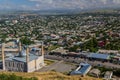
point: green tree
(74, 48)
(26, 41)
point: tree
(26, 41)
(74, 48)
(92, 45)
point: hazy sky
(56, 4)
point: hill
(50, 76)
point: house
(108, 75)
(60, 50)
(95, 72)
(108, 51)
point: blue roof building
(83, 69)
(99, 56)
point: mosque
(26, 60)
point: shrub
(14, 77)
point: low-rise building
(108, 75)
(95, 72)
(99, 56)
(83, 69)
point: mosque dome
(22, 53)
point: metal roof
(99, 56)
(23, 58)
(82, 69)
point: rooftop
(82, 69)
(99, 56)
(21, 57)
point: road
(79, 60)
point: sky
(56, 4)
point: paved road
(52, 66)
(79, 60)
(59, 66)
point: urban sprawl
(79, 44)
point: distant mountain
(68, 11)
(59, 11)
(57, 4)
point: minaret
(27, 55)
(42, 49)
(27, 59)
(20, 47)
(3, 56)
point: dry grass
(50, 76)
(49, 62)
